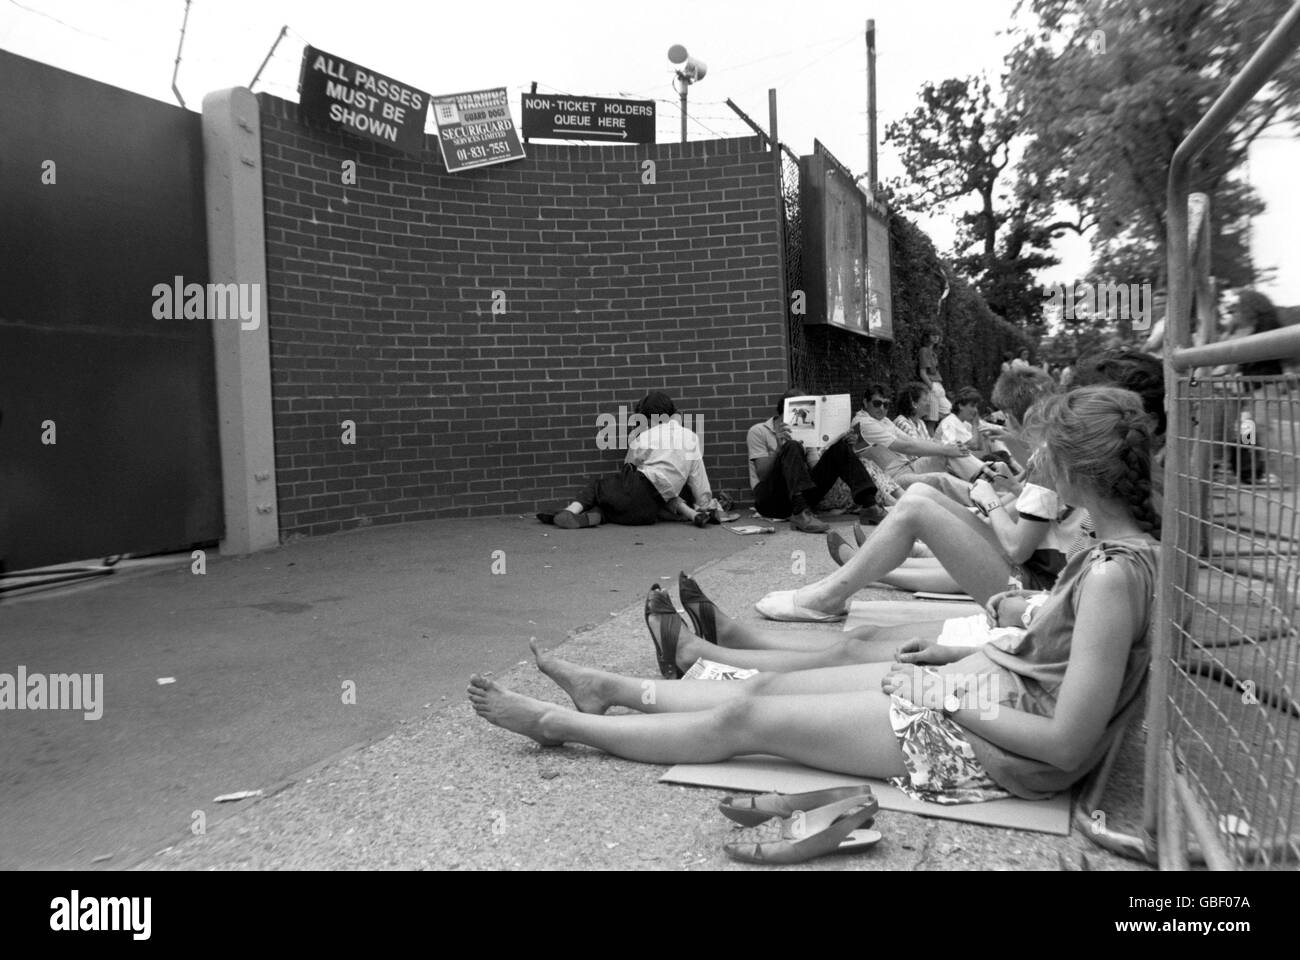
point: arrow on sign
(587, 134)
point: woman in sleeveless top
(1027, 717)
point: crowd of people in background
(1043, 506)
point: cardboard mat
(764, 774)
(890, 613)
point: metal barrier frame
(1169, 806)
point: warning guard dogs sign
(339, 94)
(475, 129)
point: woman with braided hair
(1027, 716)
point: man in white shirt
(661, 463)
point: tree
(1107, 89)
(956, 145)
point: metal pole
(871, 107)
(686, 85)
(177, 69)
(269, 54)
(749, 120)
(1275, 51)
(781, 239)
(532, 90)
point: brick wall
(381, 312)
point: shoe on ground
(870, 516)
(808, 523)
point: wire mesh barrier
(1233, 660)
(801, 364)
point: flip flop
(751, 811)
(859, 534)
(835, 828)
(705, 625)
(781, 606)
(657, 603)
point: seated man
(905, 460)
(661, 463)
(785, 486)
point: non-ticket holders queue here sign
(340, 94)
(562, 117)
(475, 129)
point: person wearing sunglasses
(905, 460)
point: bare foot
(513, 711)
(690, 648)
(582, 684)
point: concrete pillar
(232, 171)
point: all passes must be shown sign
(562, 117)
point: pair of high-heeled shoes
(698, 607)
(807, 825)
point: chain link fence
(1234, 657)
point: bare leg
(595, 691)
(846, 732)
(967, 548)
(863, 645)
(922, 574)
(735, 635)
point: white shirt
(878, 438)
(952, 429)
(672, 458)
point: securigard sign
(340, 94)
(475, 129)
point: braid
(1134, 485)
(1100, 437)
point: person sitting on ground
(907, 411)
(964, 426)
(662, 462)
(785, 485)
(905, 460)
(1028, 540)
(1027, 717)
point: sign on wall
(343, 95)
(880, 306)
(475, 129)
(562, 117)
(846, 250)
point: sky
(812, 51)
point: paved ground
(261, 646)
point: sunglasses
(877, 403)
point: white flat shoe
(781, 606)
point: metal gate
(108, 430)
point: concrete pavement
(261, 648)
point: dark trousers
(627, 498)
(791, 486)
